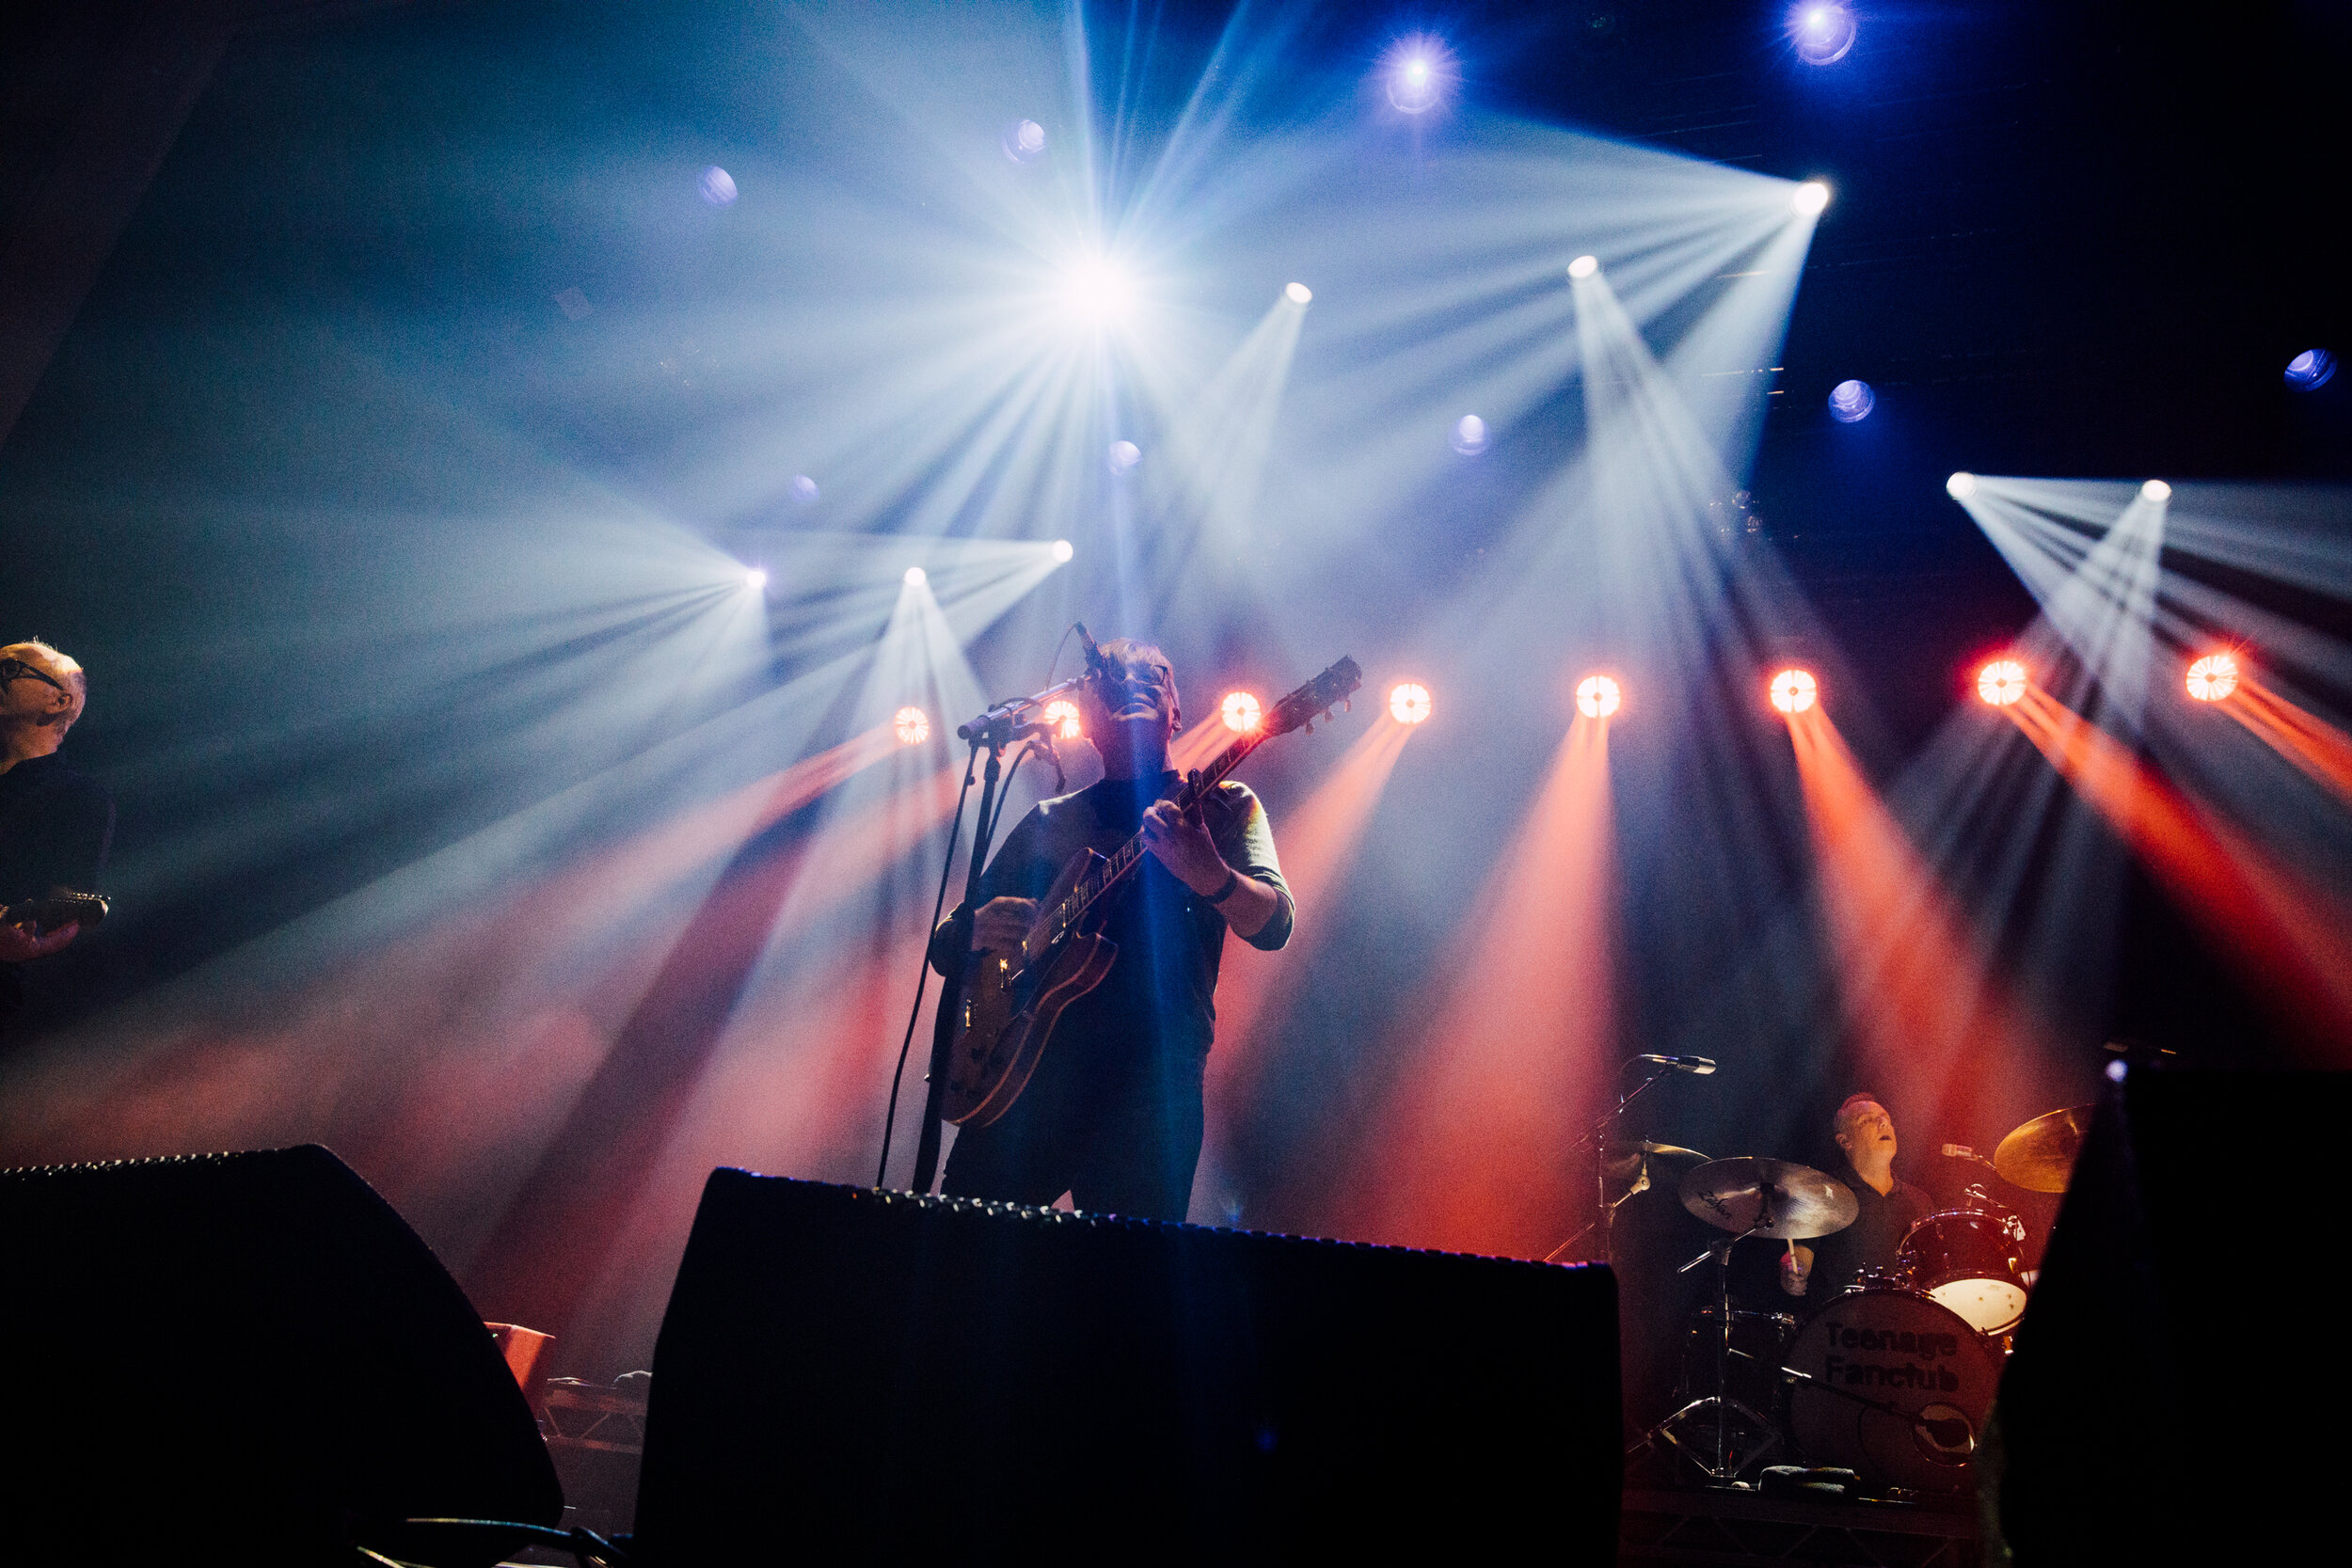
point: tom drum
(1969, 1262)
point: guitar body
(1010, 1005)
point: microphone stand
(1605, 1220)
(992, 732)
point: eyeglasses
(17, 670)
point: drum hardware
(1748, 1196)
(1602, 1140)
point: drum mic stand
(1598, 1139)
(1720, 1404)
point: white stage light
(1961, 486)
(1062, 550)
(916, 576)
(756, 578)
(2156, 491)
(1810, 198)
(1098, 290)
(1584, 266)
(1298, 294)
(1469, 436)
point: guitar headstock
(1326, 690)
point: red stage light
(1597, 697)
(2213, 677)
(1063, 715)
(913, 726)
(1241, 710)
(1793, 691)
(2001, 682)
(1408, 704)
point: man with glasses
(1113, 1115)
(56, 824)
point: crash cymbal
(2039, 1156)
(1620, 1161)
(1798, 1201)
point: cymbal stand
(1719, 1404)
(1597, 1138)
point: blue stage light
(1851, 401)
(1469, 436)
(2311, 369)
(1418, 74)
(1822, 30)
(718, 186)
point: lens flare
(804, 489)
(1851, 401)
(1583, 267)
(1062, 550)
(1821, 31)
(1024, 141)
(1297, 293)
(1793, 691)
(1469, 436)
(1408, 703)
(1597, 697)
(2311, 369)
(2001, 682)
(718, 186)
(917, 576)
(1961, 486)
(1123, 457)
(2213, 677)
(1063, 715)
(2156, 491)
(1811, 198)
(1241, 710)
(913, 724)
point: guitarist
(55, 823)
(1113, 1115)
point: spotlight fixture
(1240, 711)
(718, 186)
(1062, 550)
(1297, 293)
(1793, 691)
(1123, 457)
(1408, 703)
(917, 576)
(2311, 369)
(1822, 31)
(2001, 682)
(1417, 73)
(1597, 697)
(1063, 715)
(2213, 677)
(1469, 436)
(1851, 401)
(2155, 492)
(1811, 198)
(913, 724)
(1583, 267)
(1961, 486)
(1097, 290)
(756, 578)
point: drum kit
(1893, 1378)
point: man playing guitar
(1113, 1115)
(56, 824)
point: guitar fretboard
(1122, 860)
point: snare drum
(1969, 1262)
(1899, 1349)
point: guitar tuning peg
(1310, 726)
(1348, 704)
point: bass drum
(1898, 1348)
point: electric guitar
(1013, 1000)
(58, 906)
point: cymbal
(2039, 1156)
(1620, 1161)
(1800, 1201)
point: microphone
(1098, 663)
(1702, 1066)
(1959, 1151)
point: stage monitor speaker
(244, 1358)
(2168, 1399)
(855, 1375)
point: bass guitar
(1013, 1000)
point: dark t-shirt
(1160, 990)
(56, 827)
(1874, 1238)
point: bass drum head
(1901, 1350)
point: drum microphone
(1098, 663)
(1700, 1064)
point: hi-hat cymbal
(1622, 1159)
(2039, 1156)
(1769, 1197)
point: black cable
(923, 973)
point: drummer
(1889, 1207)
